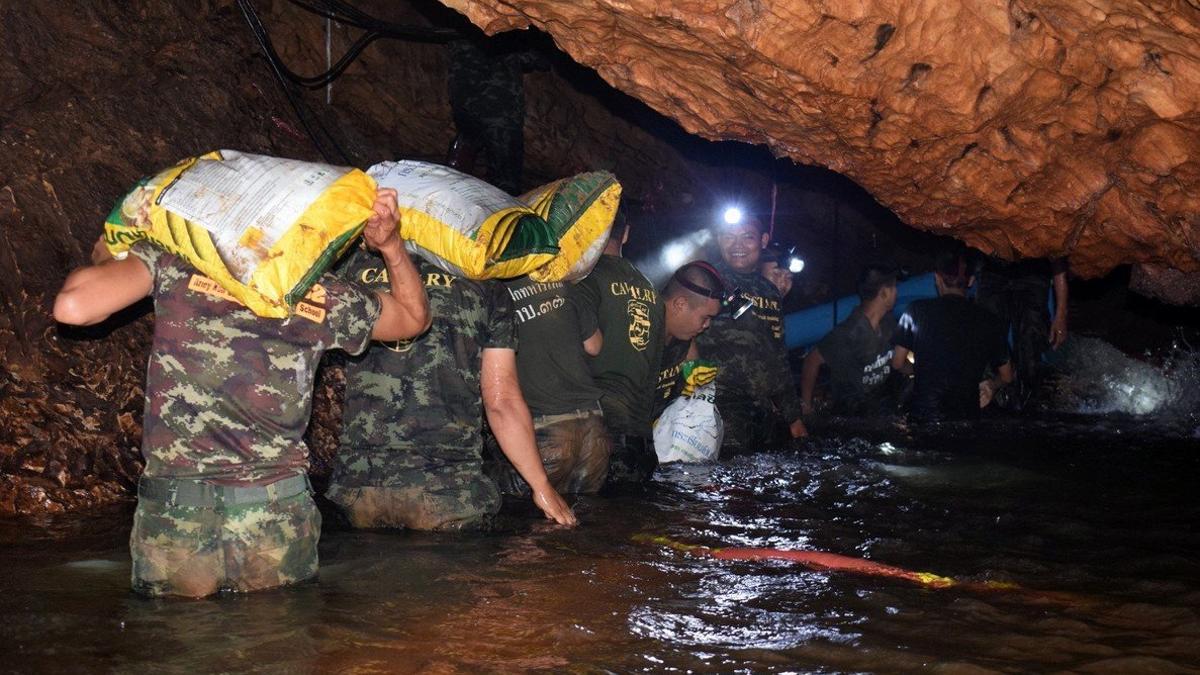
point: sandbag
(580, 212)
(464, 225)
(690, 429)
(264, 228)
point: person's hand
(382, 232)
(987, 390)
(1058, 331)
(554, 507)
(797, 429)
(100, 252)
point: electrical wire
(335, 10)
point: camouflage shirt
(422, 396)
(631, 320)
(228, 393)
(749, 350)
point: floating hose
(832, 562)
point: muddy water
(1096, 523)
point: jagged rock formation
(1024, 128)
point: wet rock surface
(1026, 129)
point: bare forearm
(513, 426)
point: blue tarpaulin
(806, 327)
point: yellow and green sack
(465, 225)
(580, 212)
(264, 228)
(696, 373)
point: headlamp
(733, 302)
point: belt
(194, 493)
(577, 414)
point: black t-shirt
(953, 341)
(859, 358)
(550, 359)
(631, 319)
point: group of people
(460, 391)
(954, 349)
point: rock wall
(99, 94)
(1023, 128)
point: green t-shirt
(410, 398)
(550, 360)
(630, 317)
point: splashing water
(1093, 377)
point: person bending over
(691, 299)
(755, 391)
(858, 350)
(411, 443)
(224, 502)
(953, 342)
(626, 307)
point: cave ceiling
(1023, 128)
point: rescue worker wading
(756, 395)
(224, 503)
(411, 445)
(629, 315)
(555, 338)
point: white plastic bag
(690, 429)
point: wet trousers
(193, 539)
(750, 428)
(633, 460)
(575, 448)
(376, 491)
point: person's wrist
(393, 253)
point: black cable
(276, 67)
(343, 13)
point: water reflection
(1096, 526)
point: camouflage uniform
(224, 503)
(411, 441)
(630, 317)
(487, 97)
(756, 395)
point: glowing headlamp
(732, 215)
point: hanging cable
(296, 103)
(343, 13)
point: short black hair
(619, 225)
(954, 268)
(874, 278)
(697, 274)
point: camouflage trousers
(375, 490)
(196, 547)
(575, 448)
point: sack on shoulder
(264, 228)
